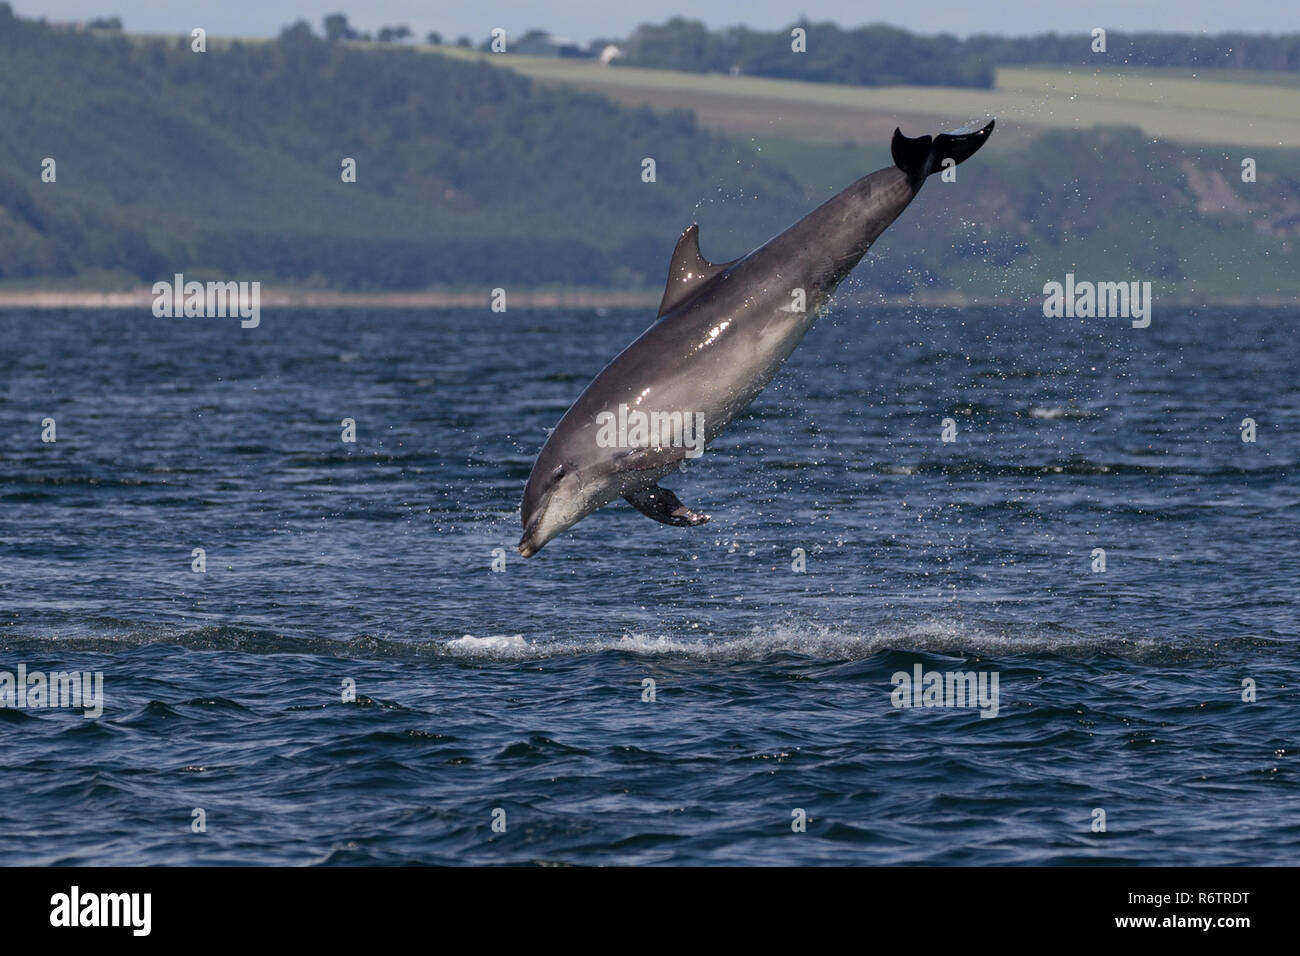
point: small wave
(1076, 466)
(832, 643)
(496, 645)
(1051, 413)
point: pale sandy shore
(142, 299)
(293, 299)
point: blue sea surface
(1158, 694)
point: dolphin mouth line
(526, 547)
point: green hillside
(471, 175)
(230, 162)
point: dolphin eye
(557, 474)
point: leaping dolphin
(720, 336)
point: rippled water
(522, 691)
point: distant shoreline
(324, 299)
(530, 299)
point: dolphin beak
(528, 544)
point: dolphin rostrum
(722, 333)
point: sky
(583, 20)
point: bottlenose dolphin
(722, 332)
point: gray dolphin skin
(722, 333)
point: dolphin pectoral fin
(662, 505)
(687, 272)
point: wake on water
(832, 643)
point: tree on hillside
(393, 34)
(300, 30)
(433, 38)
(337, 28)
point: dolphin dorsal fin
(688, 271)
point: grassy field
(1173, 105)
(1155, 194)
(1246, 77)
(1244, 108)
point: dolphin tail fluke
(924, 155)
